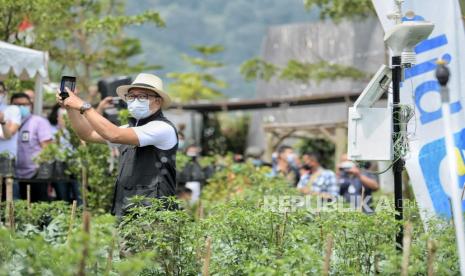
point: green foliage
(83, 37)
(202, 84)
(170, 235)
(254, 229)
(50, 153)
(257, 68)
(39, 216)
(299, 71)
(123, 116)
(340, 9)
(302, 72)
(95, 158)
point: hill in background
(238, 25)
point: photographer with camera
(148, 145)
(356, 185)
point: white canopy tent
(25, 64)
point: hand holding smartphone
(67, 81)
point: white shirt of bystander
(11, 114)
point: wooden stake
(283, 230)
(361, 199)
(406, 248)
(431, 256)
(200, 210)
(1, 196)
(84, 187)
(328, 253)
(1, 188)
(377, 265)
(10, 204)
(9, 189)
(11, 216)
(110, 254)
(85, 250)
(71, 219)
(29, 199)
(206, 262)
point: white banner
(426, 165)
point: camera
(345, 166)
(116, 101)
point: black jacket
(145, 171)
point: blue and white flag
(427, 165)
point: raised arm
(93, 127)
(82, 128)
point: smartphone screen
(67, 81)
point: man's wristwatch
(85, 107)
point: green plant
(82, 37)
(248, 235)
(202, 84)
(170, 234)
(50, 153)
(300, 72)
(323, 147)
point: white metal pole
(38, 96)
(443, 76)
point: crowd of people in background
(351, 182)
(24, 135)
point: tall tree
(340, 9)
(200, 84)
(83, 37)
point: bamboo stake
(377, 265)
(11, 216)
(283, 230)
(328, 253)
(200, 210)
(9, 201)
(71, 219)
(85, 250)
(1, 188)
(406, 248)
(431, 255)
(110, 254)
(206, 262)
(361, 199)
(29, 199)
(84, 187)
(1, 196)
(9, 189)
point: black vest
(145, 171)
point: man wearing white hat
(148, 144)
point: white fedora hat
(146, 81)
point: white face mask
(139, 110)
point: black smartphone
(67, 81)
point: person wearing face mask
(286, 165)
(10, 121)
(148, 144)
(321, 181)
(34, 134)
